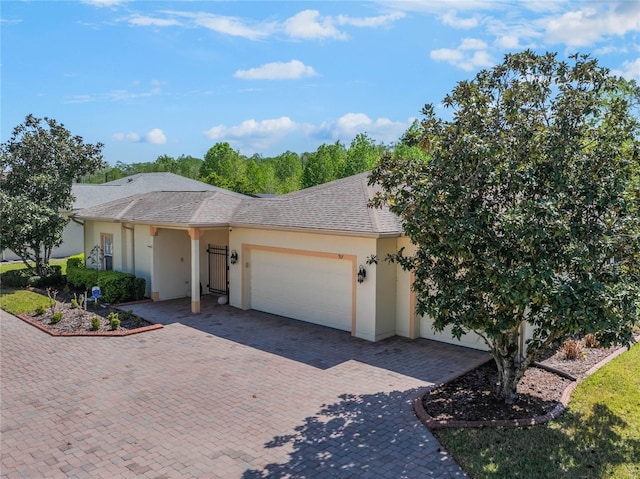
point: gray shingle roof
(185, 208)
(90, 195)
(338, 207)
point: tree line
(227, 168)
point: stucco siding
(339, 247)
(384, 274)
(171, 276)
(143, 251)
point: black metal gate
(218, 269)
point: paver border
(118, 332)
(432, 423)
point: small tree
(37, 168)
(527, 210)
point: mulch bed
(469, 400)
(77, 321)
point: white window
(106, 243)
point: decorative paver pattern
(225, 393)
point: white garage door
(309, 288)
(471, 340)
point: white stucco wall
(171, 272)
(386, 289)
(359, 248)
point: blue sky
(148, 78)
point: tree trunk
(511, 365)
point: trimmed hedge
(115, 286)
(21, 278)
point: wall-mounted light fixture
(233, 258)
(362, 274)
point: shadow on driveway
(315, 345)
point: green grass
(598, 436)
(20, 301)
(20, 265)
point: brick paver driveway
(225, 393)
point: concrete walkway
(226, 393)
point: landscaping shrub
(115, 286)
(590, 341)
(572, 349)
(140, 286)
(39, 310)
(21, 278)
(74, 304)
(56, 317)
(114, 320)
(95, 323)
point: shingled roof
(169, 208)
(339, 207)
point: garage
(315, 288)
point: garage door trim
(246, 248)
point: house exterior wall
(386, 290)
(72, 243)
(171, 273)
(308, 245)
(218, 237)
(143, 255)
(92, 232)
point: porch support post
(194, 234)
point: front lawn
(598, 436)
(21, 301)
(62, 262)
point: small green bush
(39, 310)
(56, 317)
(140, 287)
(115, 286)
(74, 303)
(76, 261)
(95, 323)
(114, 321)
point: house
(301, 255)
(87, 195)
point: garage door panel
(309, 288)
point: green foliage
(114, 320)
(22, 301)
(363, 154)
(95, 323)
(56, 317)
(596, 437)
(140, 287)
(75, 261)
(21, 278)
(38, 165)
(115, 286)
(74, 304)
(525, 212)
(326, 164)
(40, 310)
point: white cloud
(450, 18)
(470, 55)
(508, 42)
(349, 125)
(130, 137)
(105, 3)
(276, 127)
(630, 70)
(143, 21)
(472, 44)
(156, 136)
(369, 22)
(590, 25)
(277, 71)
(309, 24)
(226, 25)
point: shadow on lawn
(574, 446)
(372, 435)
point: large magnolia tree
(37, 167)
(527, 210)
